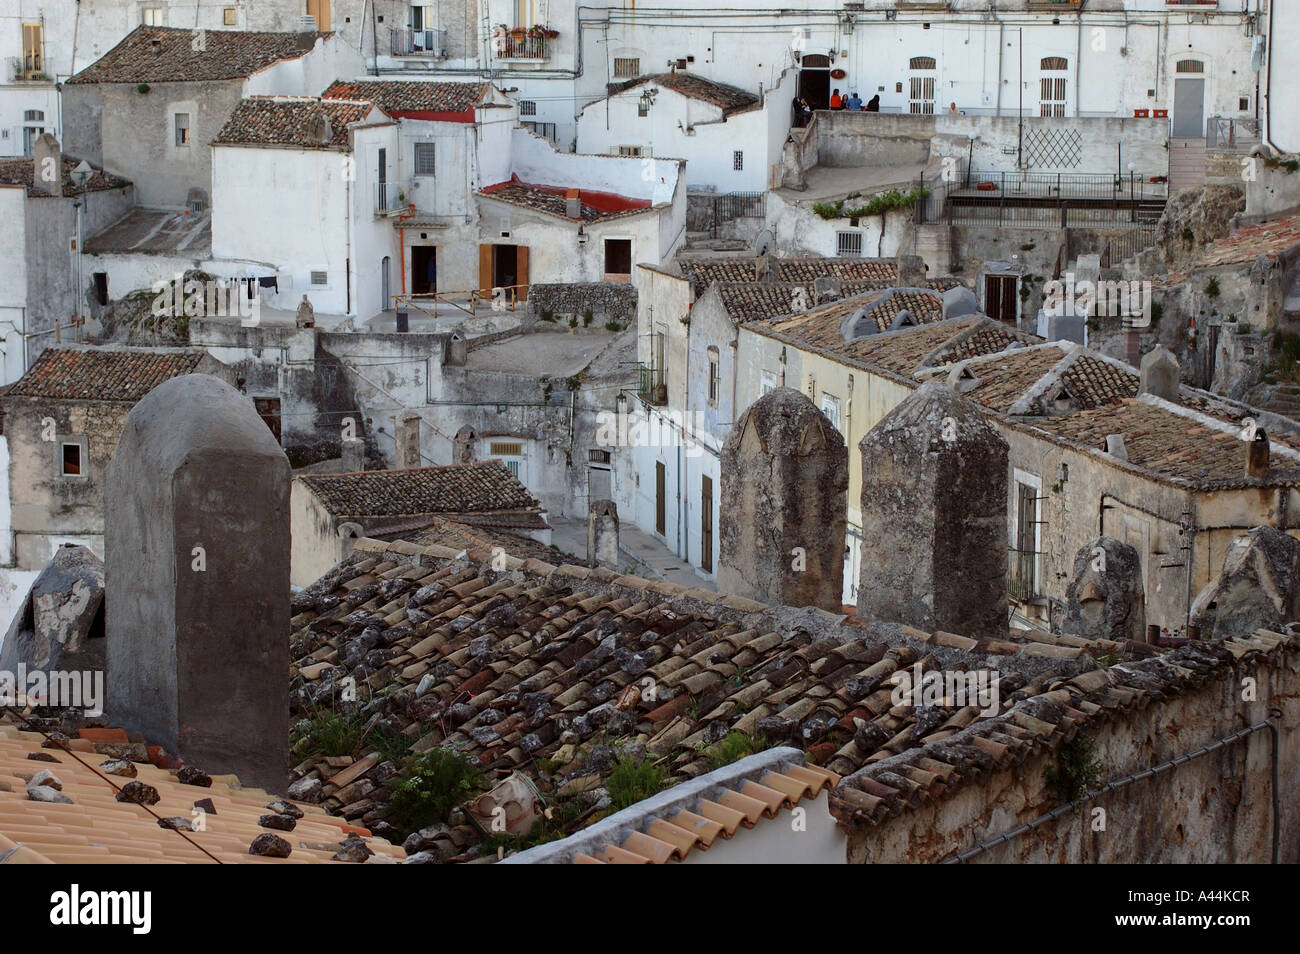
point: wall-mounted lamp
(646, 101)
(620, 404)
(582, 236)
(847, 22)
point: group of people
(803, 110)
(854, 102)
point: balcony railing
(1231, 135)
(651, 386)
(1022, 580)
(388, 198)
(418, 42)
(516, 46)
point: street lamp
(81, 176)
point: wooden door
(661, 515)
(706, 524)
(320, 9)
(521, 270)
(485, 271)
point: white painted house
(297, 183)
(730, 138)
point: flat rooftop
(156, 232)
(556, 355)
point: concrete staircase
(1186, 164)
(934, 245)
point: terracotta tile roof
(1004, 378)
(102, 374)
(23, 172)
(988, 338)
(166, 55)
(693, 817)
(752, 301)
(1093, 381)
(520, 663)
(1171, 442)
(550, 200)
(291, 121)
(1270, 239)
(398, 97)
(94, 827)
(729, 99)
(451, 489)
(821, 327)
(702, 272)
(1042, 719)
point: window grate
(848, 244)
(626, 67)
(424, 159)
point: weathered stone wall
(1216, 809)
(608, 301)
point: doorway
(1000, 298)
(268, 409)
(706, 524)
(661, 499)
(1189, 99)
(815, 80)
(503, 266)
(385, 282)
(424, 269)
(320, 9)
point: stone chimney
(408, 439)
(353, 455)
(573, 203)
(602, 534)
(197, 581)
(1159, 373)
(1115, 446)
(783, 507)
(826, 288)
(47, 165)
(934, 517)
(911, 271)
(1257, 454)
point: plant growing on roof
(1212, 288)
(629, 783)
(430, 786)
(733, 748)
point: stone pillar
(47, 165)
(408, 439)
(602, 534)
(197, 571)
(463, 444)
(1104, 598)
(1159, 373)
(782, 514)
(934, 517)
(354, 455)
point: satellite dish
(82, 173)
(763, 242)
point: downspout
(1190, 558)
(1001, 36)
(401, 241)
(1268, 83)
(374, 28)
(347, 268)
(1078, 64)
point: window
(510, 453)
(1024, 543)
(70, 459)
(618, 258)
(33, 59)
(101, 287)
(626, 67)
(769, 383)
(1189, 66)
(715, 377)
(424, 156)
(545, 130)
(626, 151)
(1051, 88)
(1243, 104)
(831, 408)
(920, 98)
(153, 16)
(737, 160)
(526, 13)
(527, 107)
(182, 129)
(228, 16)
(848, 244)
(320, 278)
(34, 116)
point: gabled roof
(820, 328)
(1270, 239)
(292, 122)
(702, 272)
(93, 826)
(102, 374)
(478, 488)
(168, 55)
(415, 100)
(23, 172)
(730, 99)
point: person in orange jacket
(836, 101)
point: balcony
(418, 43)
(651, 385)
(29, 69)
(519, 43)
(1022, 578)
(389, 198)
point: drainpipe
(1078, 62)
(1001, 37)
(1190, 558)
(401, 241)
(1268, 83)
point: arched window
(34, 116)
(1189, 66)
(1051, 87)
(920, 96)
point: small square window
(152, 16)
(228, 16)
(424, 159)
(182, 129)
(527, 107)
(320, 278)
(629, 151)
(625, 67)
(737, 160)
(1243, 104)
(70, 459)
(848, 244)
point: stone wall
(608, 301)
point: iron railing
(388, 197)
(1022, 578)
(1056, 200)
(513, 46)
(651, 384)
(1231, 135)
(737, 205)
(417, 42)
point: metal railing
(651, 385)
(1231, 135)
(513, 46)
(1056, 200)
(499, 299)
(388, 197)
(417, 42)
(1022, 581)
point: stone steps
(1186, 164)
